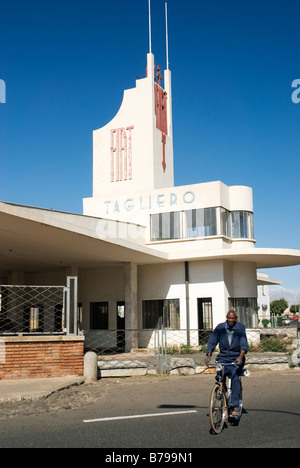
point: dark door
(121, 325)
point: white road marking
(136, 416)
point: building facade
(144, 253)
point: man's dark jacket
(228, 353)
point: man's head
(231, 318)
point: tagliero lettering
(296, 93)
(148, 202)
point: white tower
(134, 151)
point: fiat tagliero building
(144, 253)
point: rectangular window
(165, 226)
(161, 312)
(99, 316)
(246, 309)
(201, 222)
(225, 223)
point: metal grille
(32, 309)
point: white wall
(206, 280)
(244, 279)
(163, 281)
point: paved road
(169, 413)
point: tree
(278, 306)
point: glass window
(210, 221)
(246, 309)
(242, 225)
(201, 222)
(225, 223)
(236, 228)
(99, 316)
(165, 226)
(161, 312)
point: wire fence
(32, 309)
(127, 352)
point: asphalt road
(169, 413)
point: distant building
(263, 295)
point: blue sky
(66, 63)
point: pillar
(131, 307)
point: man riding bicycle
(232, 340)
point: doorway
(121, 326)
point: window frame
(162, 314)
(167, 226)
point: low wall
(26, 357)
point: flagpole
(167, 35)
(150, 44)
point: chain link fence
(37, 310)
(127, 352)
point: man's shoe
(235, 412)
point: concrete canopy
(35, 239)
(263, 258)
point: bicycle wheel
(217, 409)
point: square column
(131, 307)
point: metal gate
(38, 310)
(161, 349)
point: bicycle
(220, 399)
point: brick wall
(38, 357)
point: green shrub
(279, 321)
(186, 349)
(265, 322)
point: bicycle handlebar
(222, 363)
(218, 366)
(215, 364)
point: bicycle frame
(220, 399)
